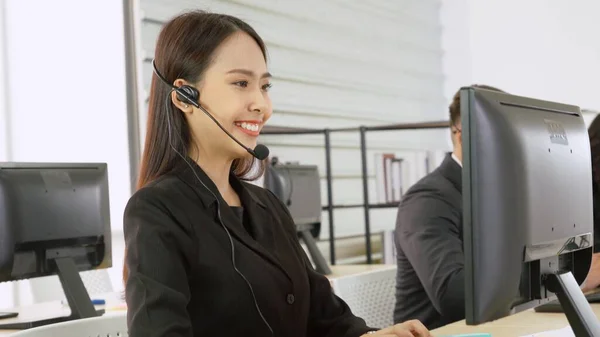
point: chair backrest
(370, 295)
(109, 325)
(48, 288)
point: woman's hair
(594, 133)
(185, 49)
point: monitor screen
(527, 200)
(299, 188)
(50, 210)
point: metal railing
(366, 205)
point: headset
(191, 95)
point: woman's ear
(182, 105)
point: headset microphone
(260, 152)
(189, 94)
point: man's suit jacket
(182, 279)
(428, 238)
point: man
(428, 238)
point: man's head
(455, 123)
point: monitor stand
(320, 263)
(582, 319)
(77, 297)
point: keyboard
(555, 306)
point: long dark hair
(184, 49)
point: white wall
(65, 66)
(6, 289)
(4, 130)
(547, 49)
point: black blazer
(429, 245)
(181, 278)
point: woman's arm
(157, 290)
(329, 315)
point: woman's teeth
(248, 126)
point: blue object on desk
(98, 302)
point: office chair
(370, 295)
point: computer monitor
(299, 188)
(54, 220)
(527, 207)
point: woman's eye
(267, 86)
(242, 84)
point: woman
(208, 254)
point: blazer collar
(193, 175)
(452, 171)
(262, 222)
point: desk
(54, 309)
(526, 322)
(523, 323)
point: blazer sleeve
(329, 315)
(157, 290)
(428, 235)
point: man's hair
(455, 105)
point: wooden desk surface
(526, 322)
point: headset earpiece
(185, 93)
(188, 94)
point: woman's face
(234, 90)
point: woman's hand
(412, 328)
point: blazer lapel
(262, 224)
(261, 220)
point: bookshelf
(366, 204)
